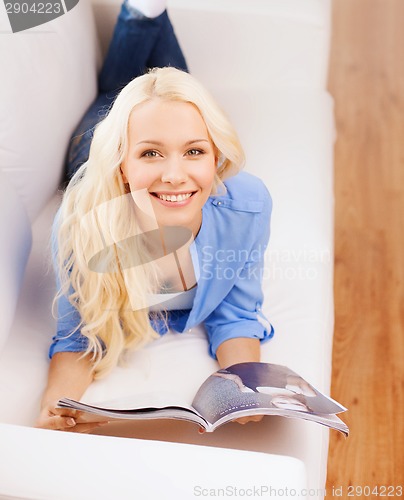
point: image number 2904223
(26, 14)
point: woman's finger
(56, 423)
(68, 424)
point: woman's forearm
(68, 376)
(238, 350)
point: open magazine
(241, 390)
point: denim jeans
(138, 43)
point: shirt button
(219, 203)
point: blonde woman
(157, 230)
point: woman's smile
(174, 199)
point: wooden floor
(367, 82)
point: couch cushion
(48, 78)
(279, 42)
(15, 237)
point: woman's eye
(149, 154)
(195, 152)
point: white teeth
(173, 197)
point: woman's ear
(217, 155)
(125, 180)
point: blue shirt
(228, 254)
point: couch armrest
(65, 466)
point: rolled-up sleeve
(68, 337)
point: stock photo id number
(25, 14)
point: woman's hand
(63, 419)
(69, 376)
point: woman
(157, 230)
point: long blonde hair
(97, 216)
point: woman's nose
(174, 172)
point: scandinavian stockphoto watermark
(26, 14)
(262, 263)
(256, 491)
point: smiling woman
(161, 184)
(176, 165)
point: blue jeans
(138, 43)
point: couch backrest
(272, 44)
(48, 78)
(15, 238)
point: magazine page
(151, 405)
(261, 388)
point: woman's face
(172, 158)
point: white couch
(266, 62)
